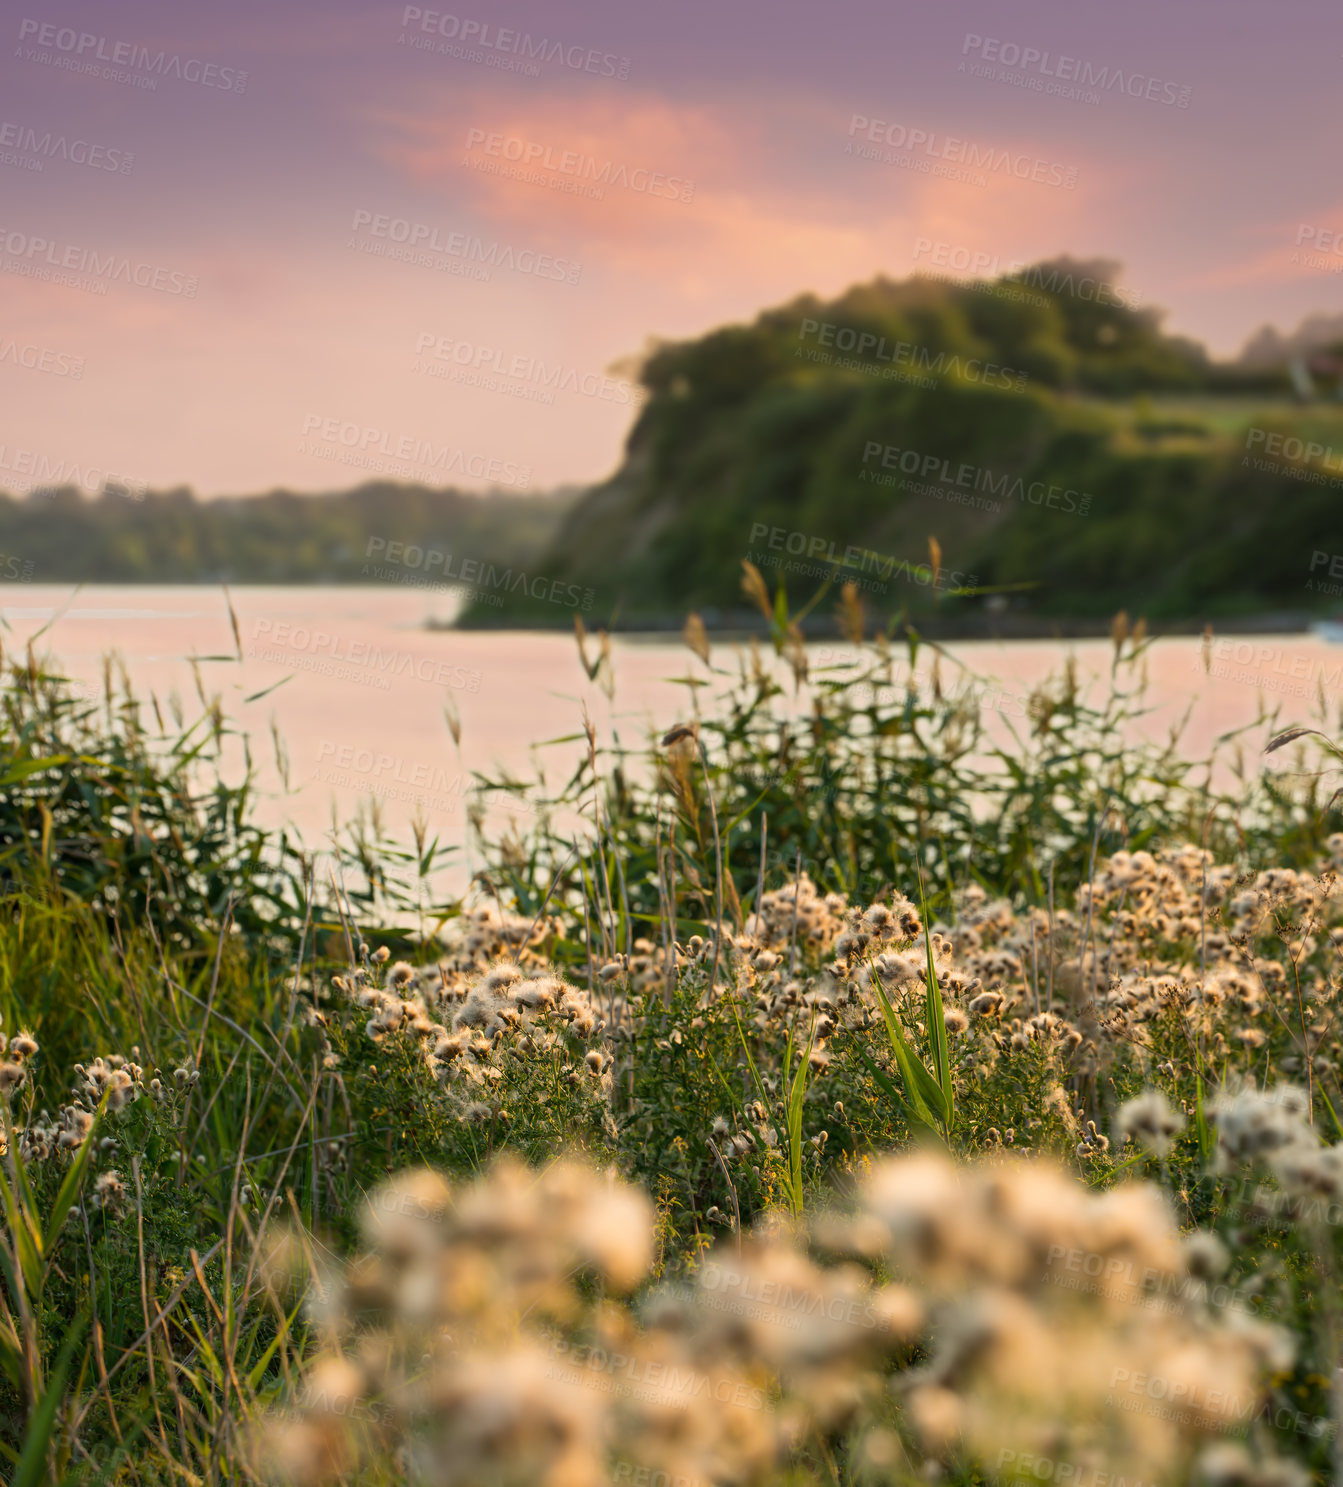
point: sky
(264, 245)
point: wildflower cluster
(476, 1048)
(489, 1335)
(110, 1082)
(463, 1028)
(798, 914)
(487, 1338)
(15, 1054)
(1022, 1360)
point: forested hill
(1054, 440)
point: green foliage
(1156, 505)
(112, 948)
(871, 778)
(149, 824)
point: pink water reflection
(363, 686)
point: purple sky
(306, 349)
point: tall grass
(884, 763)
(723, 1046)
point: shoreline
(735, 625)
(730, 628)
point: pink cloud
(771, 207)
(1284, 259)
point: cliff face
(1050, 437)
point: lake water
(356, 687)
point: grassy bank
(831, 958)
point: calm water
(356, 688)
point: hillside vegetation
(1058, 445)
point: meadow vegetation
(878, 1085)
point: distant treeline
(172, 537)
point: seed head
(108, 1192)
(22, 1045)
(1151, 1122)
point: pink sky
(250, 194)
